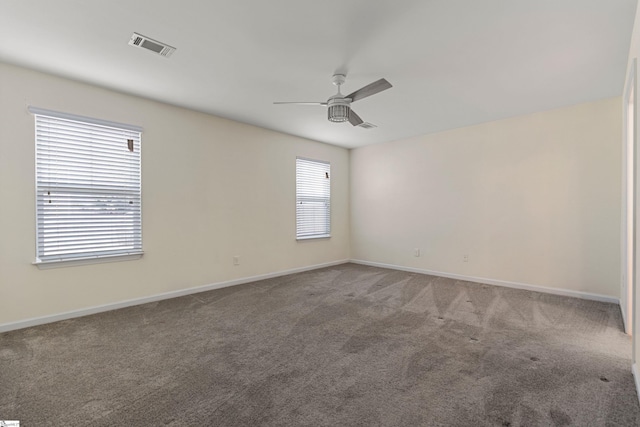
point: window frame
(327, 232)
(85, 258)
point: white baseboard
(636, 377)
(174, 294)
(158, 297)
(504, 283)
(624, 319)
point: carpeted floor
(341, 346)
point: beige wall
(212, 189)
(533, 200)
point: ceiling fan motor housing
(338, 109)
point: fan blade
(354, 119)
(370, 89)
(302, 103)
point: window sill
(320, 236)
(45, 265)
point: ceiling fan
(339, 106)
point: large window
(88, 204)
(313, 199)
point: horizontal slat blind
(313, 198)
(88, 202)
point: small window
(88, 189)
(313, 199)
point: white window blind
(313, 199)
(88, 202)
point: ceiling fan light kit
(338, 112)
(339, 106)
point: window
(88, 204)
(313, 199)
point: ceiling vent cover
(154, 46)
(367, 125)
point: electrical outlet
(416, 252)
(236, 260)
(465, 258)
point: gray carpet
(341, 346)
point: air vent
(153, 45)
(367, 125)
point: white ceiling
(452, 63)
